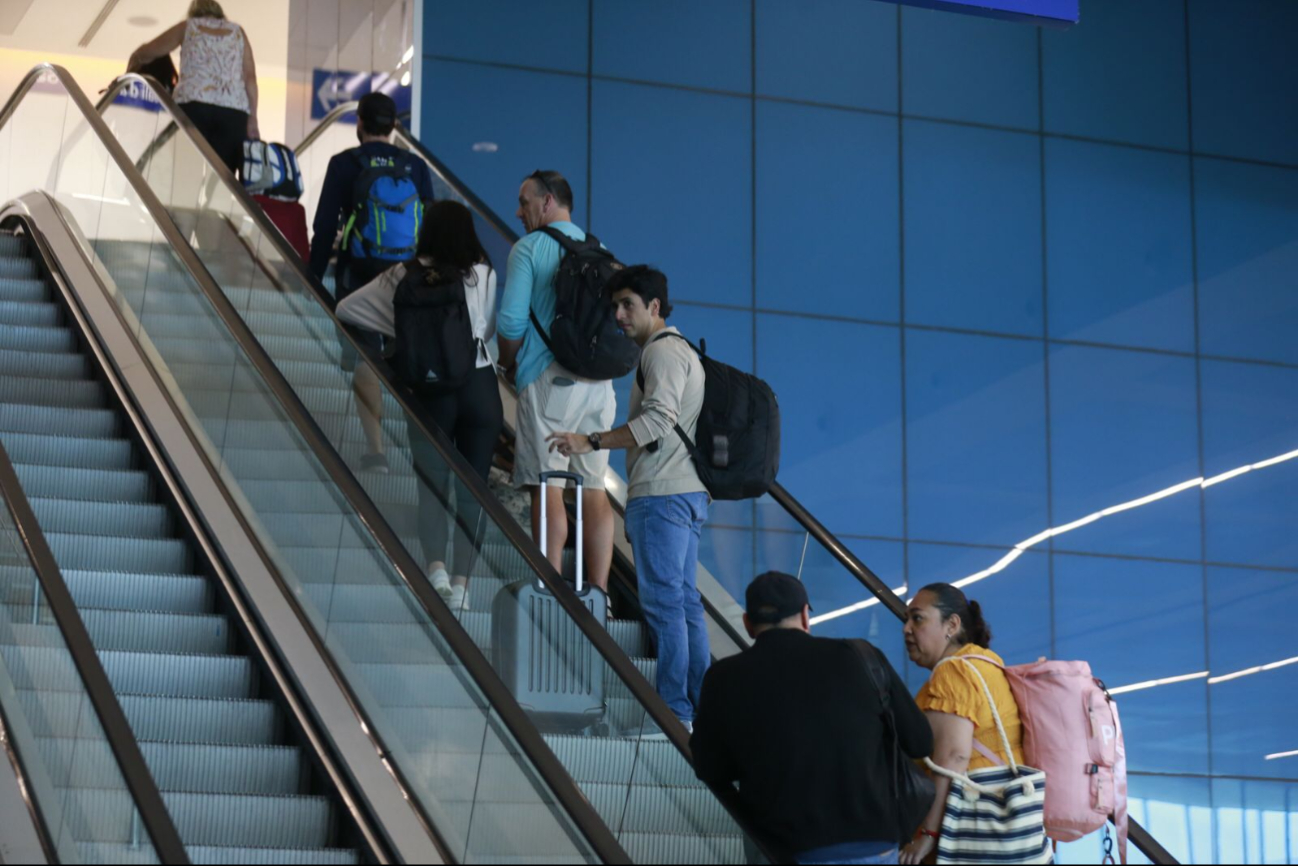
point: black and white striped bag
(995, 815)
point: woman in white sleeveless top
(218, 77)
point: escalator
(226, 581)
(236, 779)
(643, 790)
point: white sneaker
(459, 600)
(442, 584)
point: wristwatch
(594, 440)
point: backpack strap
(653, 447)
(996, 713)
(569, 246)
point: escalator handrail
(112, 718)
(529, 740)
(617, 660)
(1141, 838)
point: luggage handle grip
(578, 480)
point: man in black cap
(380, 191)
(797, 722)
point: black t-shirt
(796, 721)
(336, 196)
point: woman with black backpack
(439, 311)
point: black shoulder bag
(912, 790)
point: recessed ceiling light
(142, 21)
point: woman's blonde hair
(206, 9)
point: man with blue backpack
(377, 192)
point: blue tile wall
(1121, 75)
(973, 221)
(1119, 247)
(1002, 279)
(840, 52)
(1124, 426)
(959, 67)
(814, 160)
(1243, 79)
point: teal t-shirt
(529, 286)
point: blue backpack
(388, 211)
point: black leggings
(472, 418)
(224, 128)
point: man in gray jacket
(667, 503)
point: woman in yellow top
(943, 624)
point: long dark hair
(449, 240)
(952, 602)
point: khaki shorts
(559, 402)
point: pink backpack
(1071, 731)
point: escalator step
(105, 590)
(85, 485)
(23, 290)
(125, 519)
(68, 393)
(663, 848)
(207, 819)
(80, 423)
(18, 266)
(36, 314)
(187, 676)
(139, 555)
(203, 855)
(182, 768)
(612, 760)
(12, 245)
(68, 452)
(139, 631)
(44, 365)
(202, 720)
(46, 340)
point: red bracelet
(932, 834)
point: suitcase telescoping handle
(545, 538)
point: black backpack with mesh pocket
(736, 446)
(584, 336)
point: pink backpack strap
(988, 753)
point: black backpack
(738, 435)
(584, 336)
(435, 346)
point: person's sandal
(442, 585)
(459, 601)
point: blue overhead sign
(1059, 13)
(331, 88)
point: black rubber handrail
(112, 719)
(529, 740)
(621, 665)
(1140, 837)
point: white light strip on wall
(1248, 672)
(1007, 560)
(1153, 684)
(1278, 755)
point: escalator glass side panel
(483, 798)
(71, 772)
(644, 789)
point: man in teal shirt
(550, 398)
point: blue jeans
(664, 533)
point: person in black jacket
(796, 721)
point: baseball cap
(377, 110)
(774, 597)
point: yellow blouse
(954, 689)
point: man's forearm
(615, 440)
(509, 350)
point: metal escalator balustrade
(481, 778)
(780, 532)
(645, 791)
(215, 744)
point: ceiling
(56, 26)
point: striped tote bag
(995, 815)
